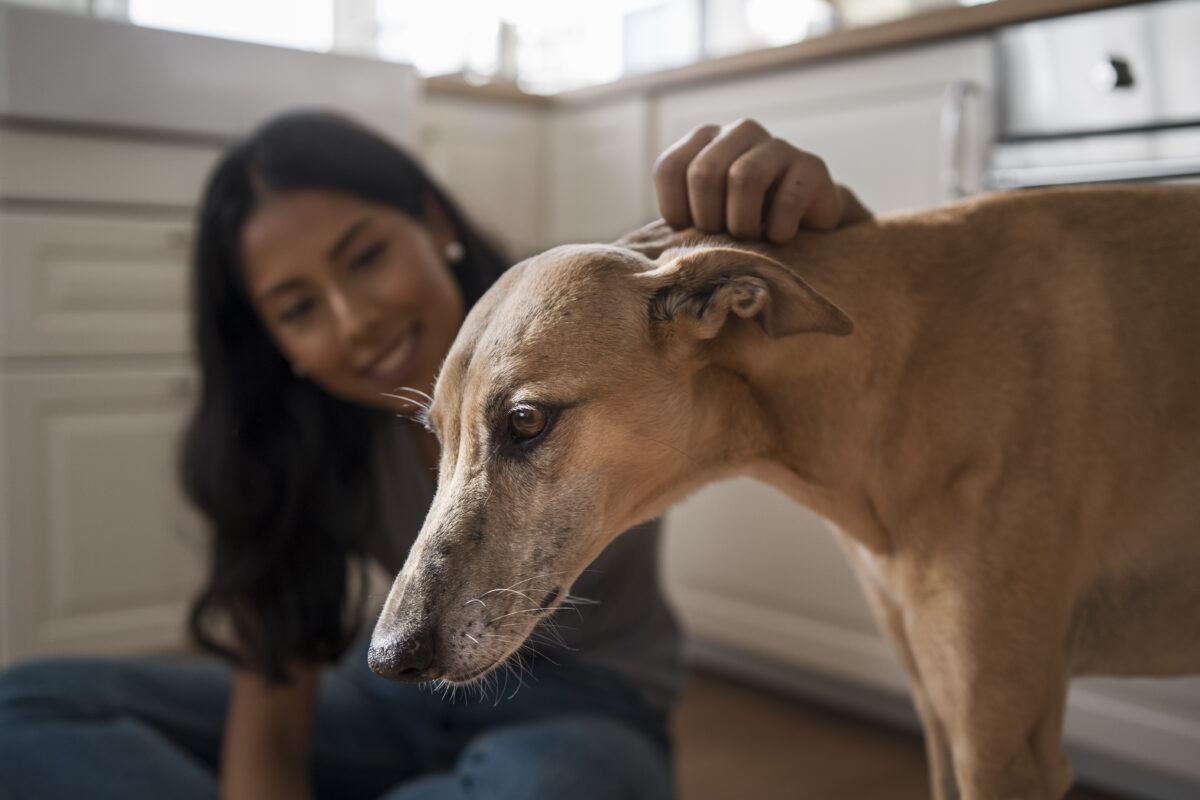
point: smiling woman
(321, 288)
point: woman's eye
(296, 311)
(526, 422)
(369, 256)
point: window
(543, 45)
(303, 24)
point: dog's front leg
(990, 656)
(890, 617)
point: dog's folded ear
(651, 240)
(707, 285)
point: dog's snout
(408, 659)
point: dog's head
(566, 414)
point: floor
(736, 742)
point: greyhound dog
(996, 404)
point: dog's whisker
(535, 577)
(521, 611)
(513, 591)
(421, 404)
(428, 397)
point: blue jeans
(151, 728)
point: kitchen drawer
(52, 165)
(77, 286)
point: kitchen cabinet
(100, 172)
(906, 129)
(491, 158)
(98, 550)
(599, 171)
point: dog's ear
(707, 285)
(651, 240)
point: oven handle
(954, 137)
(1116, 171)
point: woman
(329, 272)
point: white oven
(1111, 95)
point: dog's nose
(408, 659)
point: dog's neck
(808, 413)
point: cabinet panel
(102, 552)
(58, 165)
(83, 286)
(491, 160)
(599, 175)
(905, 130)
(772, 552)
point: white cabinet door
(599, 172)
(98, 552)
(905, 130)
(490, 157)
(90, 285)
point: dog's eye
(526, 422)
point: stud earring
(454, 252)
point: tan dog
(997, 404)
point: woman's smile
(395, 362)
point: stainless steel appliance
(1110, 95)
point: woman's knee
(46, 686)
(585, 757)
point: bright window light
(303, 24)
(556, 45)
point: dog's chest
(1143, 624)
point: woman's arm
(738, 178)
(265, 751)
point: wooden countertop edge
(456, 86)
(923, 27)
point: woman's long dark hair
(282, 469)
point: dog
(995, 403)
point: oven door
(1111, 95)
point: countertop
(916, 29)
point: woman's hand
(742, 180)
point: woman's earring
(454, 252)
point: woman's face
(356, 294)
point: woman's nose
(354, 316)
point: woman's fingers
(670, 175)
(763, 186)
(709, 174)
(742, 180)
(804, 195)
